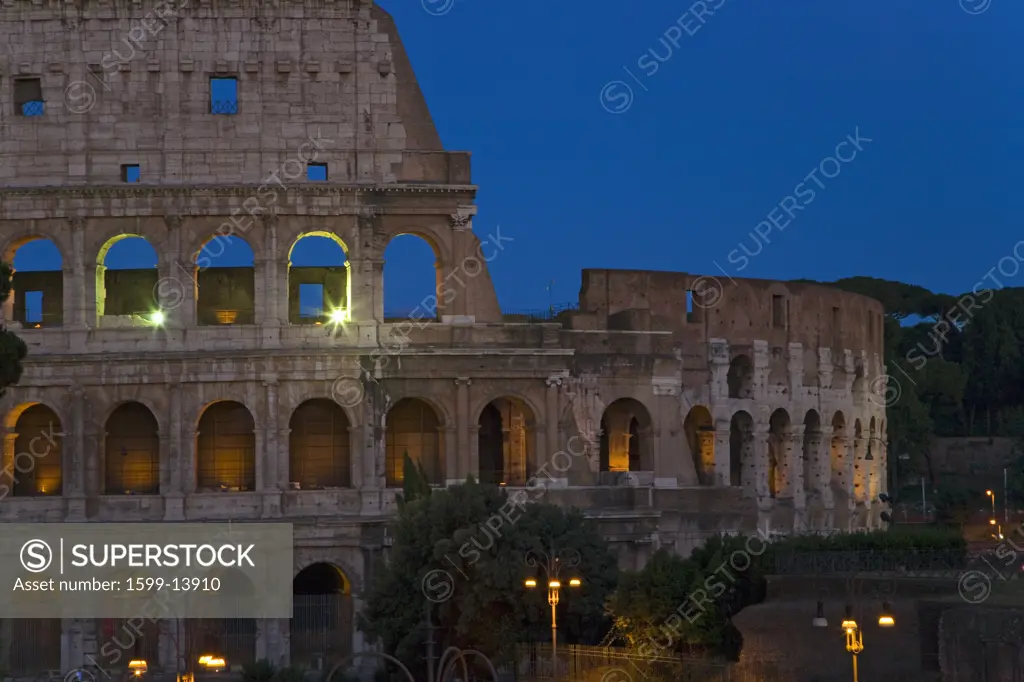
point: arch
(505, 441)
(627, 442)
(225, 281)
(319, 279)
(226, 448)
(778, 462)
(131, 451)
(742, 465)
(414, 428)
(319, 449)
(322, 614)
(815, 477)
(36, 298)
(699, 428)
(403, 301)
(741, 378)
(122, 287)
(872, 435)
(33, 451)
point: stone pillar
(450, 453)
(860, 466)
(74, 459)
(723, 454)
(456, 307)
(75, 286)
(180, 468)
(462, 465)
(551, 435)
(474, 450)
(268, 642)
(793, 476)
(272, 484)
(176, 289)
(760, 468)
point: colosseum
(669, 406)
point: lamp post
(853, 632)
(552, 562)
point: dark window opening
(130, 172)
(34, 307)
(871, 326)
(224, 96)
(316, 172)
(28, 97)
(778, 312)
(311, 300)
(689, 306)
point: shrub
(260, 671)
(291, 674)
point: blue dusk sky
(704, 138)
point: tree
(676, 606)
(12, 348)
(415, 484)
(461, 552)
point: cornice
(139, 190)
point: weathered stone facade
(669, 406)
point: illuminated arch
(334, 281)
(226, 448)
(135, 287)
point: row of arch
(223, 269)
(322, 625)
(319, 446)
(740, 378)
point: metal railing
(33, 108)
(909, 563)
(579, 663)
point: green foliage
(473, 573)
(260, 671)
(12, 348)
(291, 674)
(676, 606)
(956, 505)
(415, 484)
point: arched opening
(318, 446)
(700, 436)
(413, 280)
(505, 442)
(814, 472)
(233, 639)
(321, 625)
(37, 285)
(626, 437)
(778, 459)
(741, 378)
(30, 647)
(413, 428)
(225, 278)
(226, 449)
(318, 280)
(838, 452)
(126, 282)
(859, 386)
(33, 452)
(742, 465)
(132, 451)
(120, 640)
(872, 437)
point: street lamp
(552, 563)
(854, 635)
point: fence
(921, 564)
(29, 647)
(321, 630)
(589, 663)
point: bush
(260, 671)
(291, 674)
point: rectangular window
(836, 320)
(778, 312)
(28, 97)
(316, 172)
(311, 301)
(130, 172)
(33, 307)
(224, 96)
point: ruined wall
(130, 83)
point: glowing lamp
(554, 584)
(575, 582)
(338, 316)
(138, 667)
(157, 317)
(849, 624)
(530, 582)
